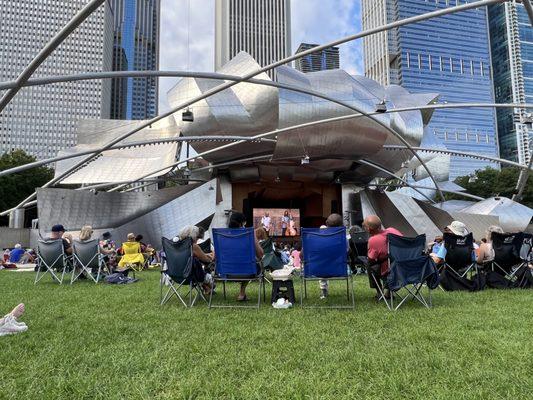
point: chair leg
(302, 291)
(224, 288)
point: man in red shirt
(378, 252)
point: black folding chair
(459, 250)
(87, 257)
(51, 259)
(409, 269)
(507, 261)
(179, 273)
(359, 247)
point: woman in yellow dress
(132, 252)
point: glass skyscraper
(449, 55)
(136, 48)
(512, 56)
(323, 60)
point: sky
(188, 31)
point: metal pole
(471, 196)
(81, 16)
(245, 138)
(269, 67)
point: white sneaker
(10, 317)
(9, 327)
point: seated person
(457, 228)
(378, 253)
(199, 257)
(485, 252)
(238, 220)
(296, 256)
(58, 232)
(108, 246)
(132, 253)
(16, 254)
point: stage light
(306, 160)
(381, 107)
(187, 116)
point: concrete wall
(9, 237)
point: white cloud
(318, 21)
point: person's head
(334, 220)
(237, 220)
(372, 224)
(483, 240)
(493, 229)
(86, 233)
(457, 228)
(267, 214)
(438, 239)
(58, 231)
(18, 246)
(261, 234)
(106, 235)
(138, 238)
(286, 213)
(131, 237)
(67, 237)
(297, 246)
(190, 231)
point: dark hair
(236, 220)
(138, 238)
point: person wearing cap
(457, 228)
(57, 233)
(16, 254)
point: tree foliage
(490, 182)
(16, 187)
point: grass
(112, 342)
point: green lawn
(109, 342)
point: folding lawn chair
(235, 260)
(325, 256)
(51, 256)
(410, 269)
(507, 262)
(179, 272)
(359, 246)
(86, 257)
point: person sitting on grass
(199, 257)
(132, 253)
(378, 253)
(16, 254)
(237, 220)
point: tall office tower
(511, 37)
(41, 120)
(136, 48)
(261, 28)
(448, 55)
(320, 61)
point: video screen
(281, 222)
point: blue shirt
(441, 252)
(16, 255)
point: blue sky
(315, 21)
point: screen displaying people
(278, 221)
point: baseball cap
(58, 228)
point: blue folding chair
(410, 269)
(235, 261)
(325, 256)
